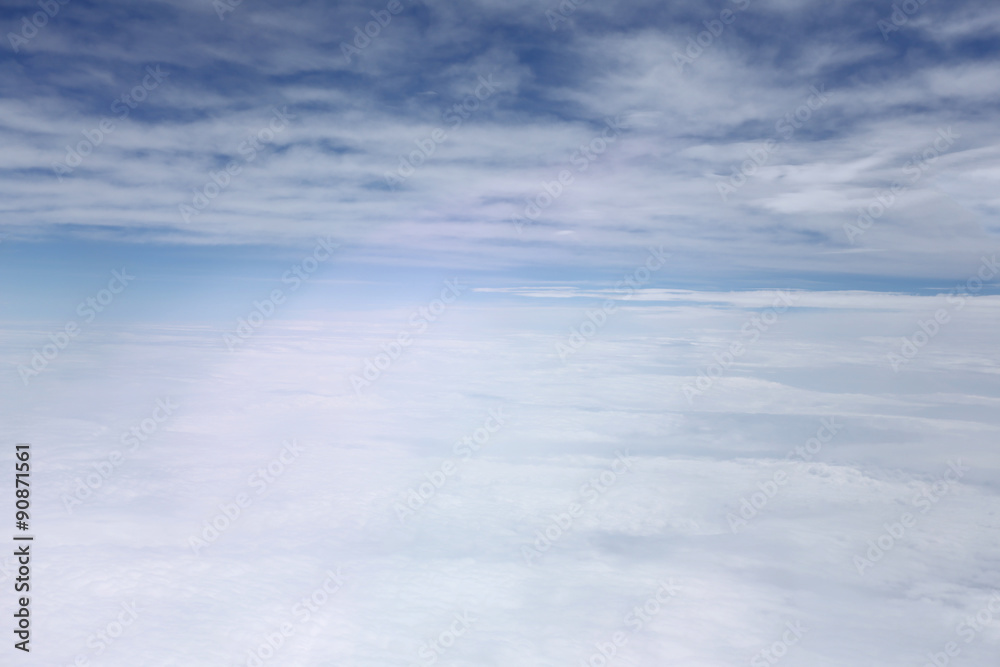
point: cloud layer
(850, 110)
(755, 500)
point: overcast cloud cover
(508, 333)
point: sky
(560, 333)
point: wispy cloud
(554, 90)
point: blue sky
(687, 126)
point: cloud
(793, 388)
(666, 518)
(355, 121)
